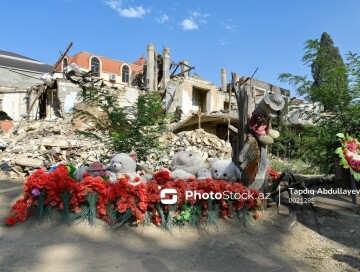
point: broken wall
(193, 95)
(67, 93)
(13, 89)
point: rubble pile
(45, 143)
(209, 146)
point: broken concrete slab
(61, 142)
(29, 162)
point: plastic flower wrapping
(349, 154)
(121, 202)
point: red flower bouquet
(121, 201)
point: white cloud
(194, 20)
(114, 4)
(189, 24)
(136, 12)
(229, 27)
(195, 14)
(162, 19)
(130, 12)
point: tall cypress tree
(331, 84)
(336, 86)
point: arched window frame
(91, 64)
(125, 78)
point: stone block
(28, 162)
(55, 142)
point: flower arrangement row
(121, 202)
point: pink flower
(35, 192)
(351, 147)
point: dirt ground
(274, 242)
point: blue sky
(238, 35)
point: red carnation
(10, 220)
(142, 206)
(156, 219)
(121, 207)
(162, 176)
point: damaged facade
(114, 73)
(17, 74)
(57, 94)
(189, 95)
(183, 93)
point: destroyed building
(197, 102)
(17, 74)
(114, 74)
(204, 111)
(183, 93)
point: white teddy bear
(125, 164)
(186, 164)
(225, 170)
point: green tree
(331, 84)
(124, 128)
(336, 86)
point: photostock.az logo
(168, 191)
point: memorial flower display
(121, 202)
(349, 154)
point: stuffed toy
(124, 164)
(260, 123)
(204, 173)
(253, 156)
(96, 169)
(79, 174)
(186, 164)
(225, 170)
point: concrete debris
(46, 143)
(28, 162)
(207, 145)
(3, 144)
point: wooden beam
(234, 129)
(41, 90)
(61, 58)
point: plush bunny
(186, 164)
(225, 170)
